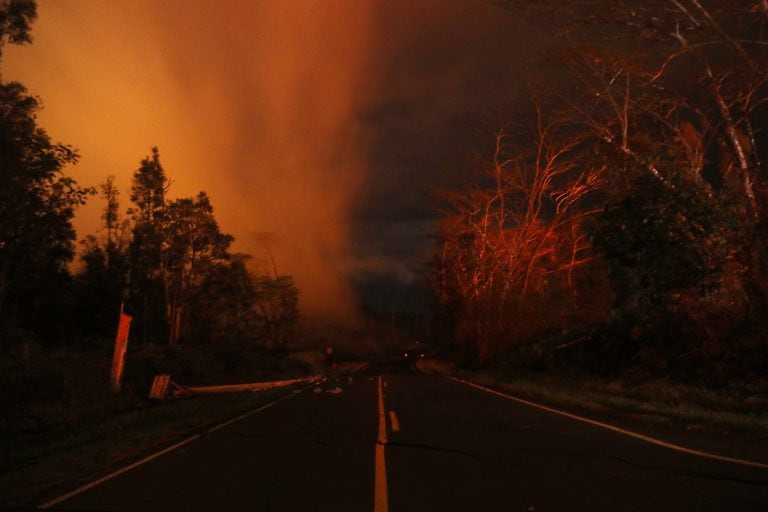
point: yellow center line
(393, 421)
(380, 500)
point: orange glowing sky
(316, 121)
(254, 102)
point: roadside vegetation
(200, 312)
(610, 252)
(162, 260)
(737, 409)
(617, 228)
(61, 421)
(43, 465)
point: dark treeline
(621, 226)
(170, 267)
(165, 261)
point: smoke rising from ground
(318, 125)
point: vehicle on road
(416, 351)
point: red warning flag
(121, 344)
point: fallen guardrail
(164, 388)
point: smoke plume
(254, 102)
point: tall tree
(515, 238)
(111, 215)
(221, 308)
(102, 283)
(192, 246)
(37, 203)
(148, 191)
(704, 64)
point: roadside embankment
(62, 424)
(741, 407)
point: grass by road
(36, 465)
(735, 409)
(61, 423)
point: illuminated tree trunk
(499, 238)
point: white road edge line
(110, 476)
(380, 499)
(629, 433)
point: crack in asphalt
(503, 462)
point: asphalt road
(447, 446)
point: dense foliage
(37, 203)
(625, 226)
(171, 268)
(166, 263)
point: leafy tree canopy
(37, 201)
(16, 18)
(659, 239)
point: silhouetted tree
(221, 307)
(103, 282)
(148, 191)
(192, 247)
(37, 203)
(16, 18)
